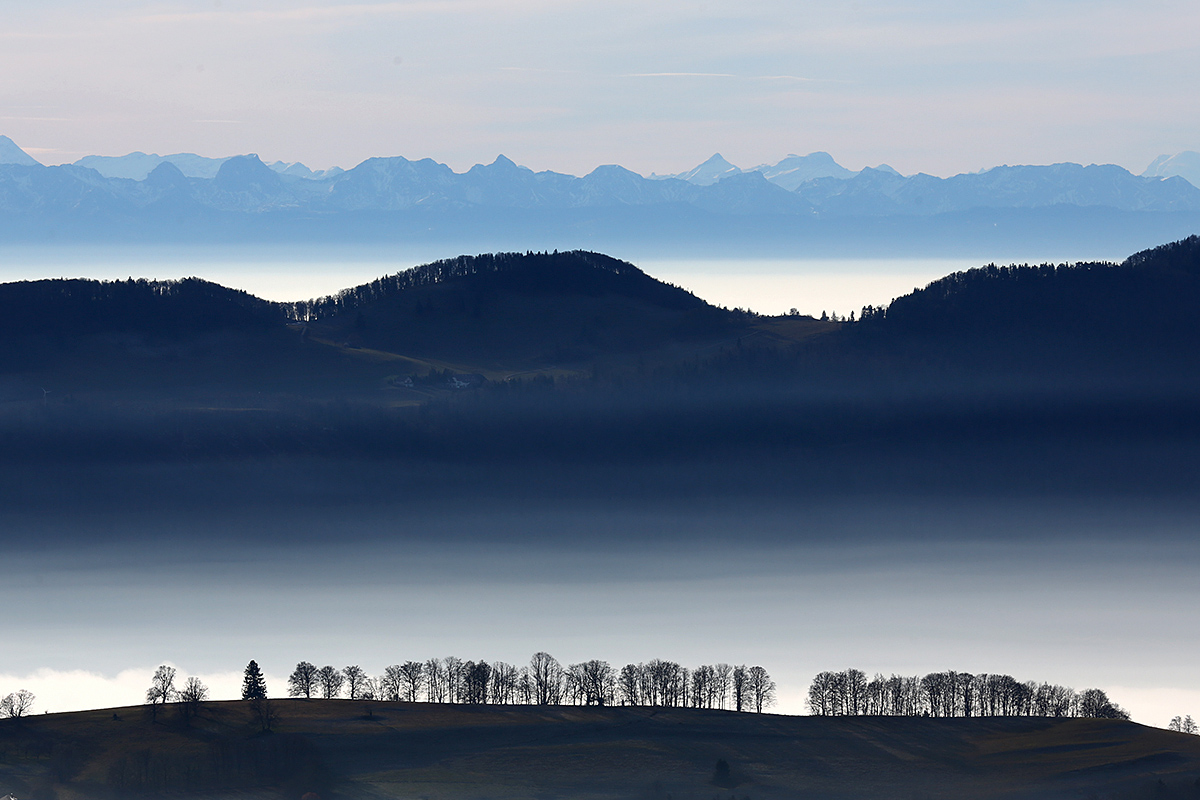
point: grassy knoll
(399, 750)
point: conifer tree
(254, 687)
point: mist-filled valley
(490, 457)
(525, 452)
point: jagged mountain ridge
(798, 185)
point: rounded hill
(516, 308)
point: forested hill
(169, 308)
(1139, 314)
(1152, 291)
(514, 309)
(573, 272)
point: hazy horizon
(1037, 587)
(657, 87)
(764, 284)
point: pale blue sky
(656, 85)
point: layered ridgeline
(636, 364)
(809, 200)
(494, 315)
(1127, 321)
(352, 749)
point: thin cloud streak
(678, 75)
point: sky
(655, 85)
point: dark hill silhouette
(1151, 293)
(76, 307)
(341, 748)
(1006, 355)
(518, 309)
(1116, 324)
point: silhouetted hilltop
(577, 271)
(513, 307)
(339, 748)
(578, 355)
(79, 307)
(1122, 321)
(1154, 290)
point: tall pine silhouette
(253, 685)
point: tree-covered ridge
(851, 693)
(1154, 290)
(71, 307)
(577, 271)
(655, 683)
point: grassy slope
(386, 750)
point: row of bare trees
(952, 694)
(163, 690)
(544, 682)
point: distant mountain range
(798, 200)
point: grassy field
(345, 749)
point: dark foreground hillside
(344, 749)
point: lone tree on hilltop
(303, 680)
(254, 686)
(18, 704)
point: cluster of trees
(163, 690)
(1183, 725)
(952, 694)
(544, 682)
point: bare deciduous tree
(391, 683)
(452, 671)
(1182, 725)
(547, 676)
(597, 683)
(330, 680)
(355, 681)
(435, 681)
(505, 683)
(739, 685)
(762, 689)
(16, 705)
(722, 678)
(412, 680)
(264, 712)
(162, 685)
(303, 680)
(629, 685)
(193, 693)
